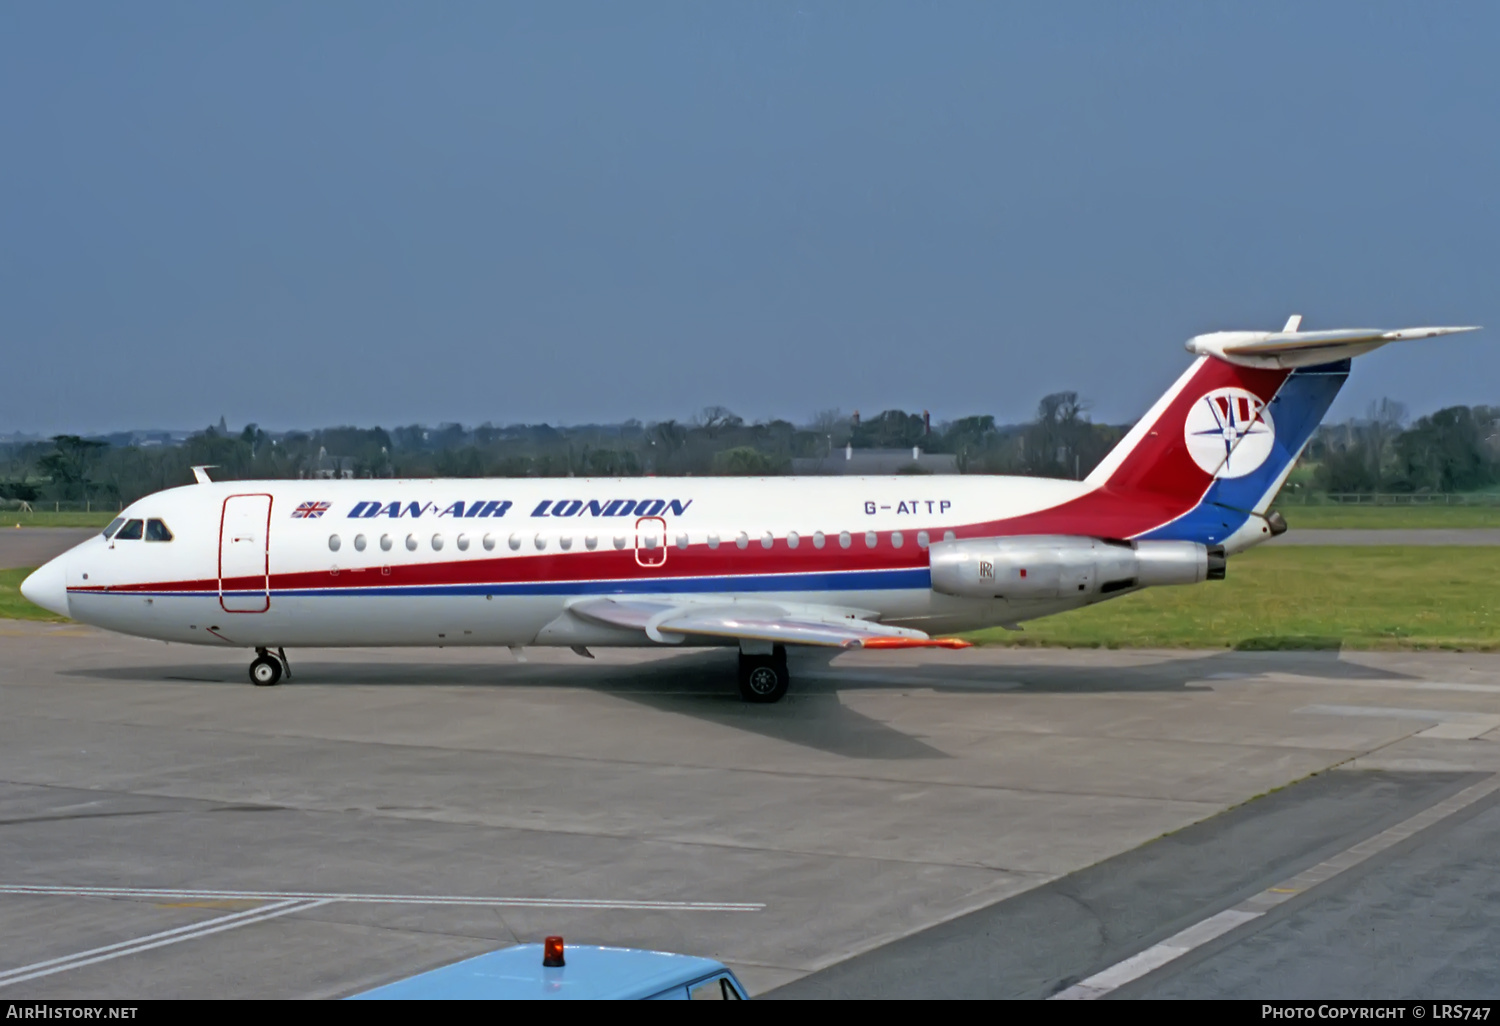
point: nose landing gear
(267, 670)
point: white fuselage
(498, 561)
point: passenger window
(514, 542)
(619, 541)
(437, 543)
(114, 525)
(793, 540)
(591, 542)
(870, 539)
(921, 539)
(897, 540)
(768, 540)
(157, 531)
(845, 540)
(540, 541)
(359, 543)
(682, 541)
(385, 543)
(949, 536)
(463, 543)
(411, 543)
(742, 541)
(333, 543)
(489, 542)
(716, 989)
(565, 542)
(713, 541)
(130, 532)
(819, 540)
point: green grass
(1391, 516)
(9, 518)
(1311, 597)
(13, 606)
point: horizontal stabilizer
(671, 621)
(1289, 349)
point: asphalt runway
(167, 830)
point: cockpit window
(114, 525)
(157, 531)
(130, 532)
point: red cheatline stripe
(1100, 513)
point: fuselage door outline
(245, 548)
(651, 542)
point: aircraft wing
(671, 621)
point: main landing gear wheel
(764, 678)
(265, 671)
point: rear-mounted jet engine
(1064, 566)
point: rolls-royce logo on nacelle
(1229, 432)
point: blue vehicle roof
(518, 973)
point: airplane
(761, 565)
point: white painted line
(1462, 730)
(1158, 955)
(1452, 724)
(123, 944)
(1395, 713)
(1252, 908)
(1391, 685)
(156, 940)
(381, 899)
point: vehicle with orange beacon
(549, 971)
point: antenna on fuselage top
(200, 474)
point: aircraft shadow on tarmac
(699, 684)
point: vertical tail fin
(1215, 421)
(1205, 463)
(1220, 443)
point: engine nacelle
(1066, 566)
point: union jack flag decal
(310, 510)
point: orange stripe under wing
(916, 643)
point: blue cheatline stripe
(844, 580)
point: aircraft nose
(47, 586)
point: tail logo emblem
(1229, 432)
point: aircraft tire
(265, 672)
(763, 679)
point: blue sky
(306, 214)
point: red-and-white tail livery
(876, 562)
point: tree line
(1455, 449)
(1061, 441)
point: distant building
(877, 462)
(331, 468)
